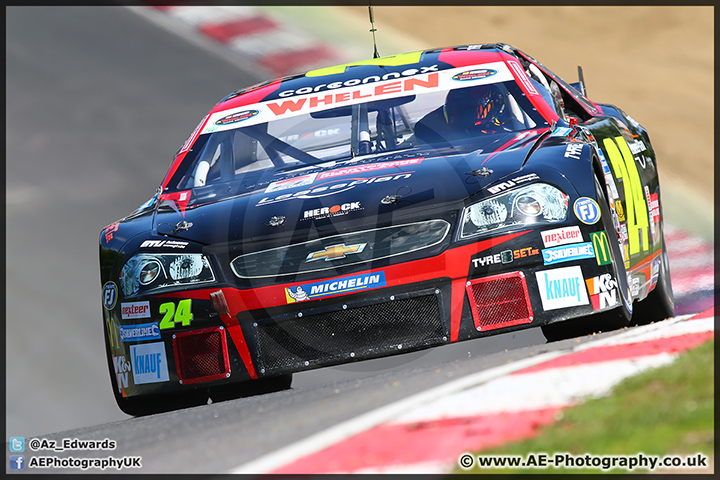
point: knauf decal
(562, 288)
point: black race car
(376, 208)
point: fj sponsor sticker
(138, 333)
(562, 288)
(315, 290)
(109, 295)
(587, 210)
(135, 310)
(567, 253)
(149, 364)
(561, 236)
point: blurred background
(98, 99)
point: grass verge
(663, 411)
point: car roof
(383, 68)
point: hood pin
(276, 221)
(483, 172)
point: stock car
(376, 208)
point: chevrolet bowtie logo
(334, 252)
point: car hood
(331, 198)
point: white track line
(529, 391)
(339, 432)
(489, 380)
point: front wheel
(151, 404)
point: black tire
(253, 387)
(609, 320)
(660, 303)
(151, 404)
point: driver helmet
(474, 107)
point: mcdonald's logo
(601, 247)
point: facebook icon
(17, 462)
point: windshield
(436, 118)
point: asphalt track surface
(98, 100)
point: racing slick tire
(660, 303)
(151, 404)
(608, 320)
(253, 387)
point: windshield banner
(431, 82)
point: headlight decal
(186, 267)
(144, 273)
(537, 203)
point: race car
(376, 208)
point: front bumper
(239, 334)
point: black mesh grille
(361, 332)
